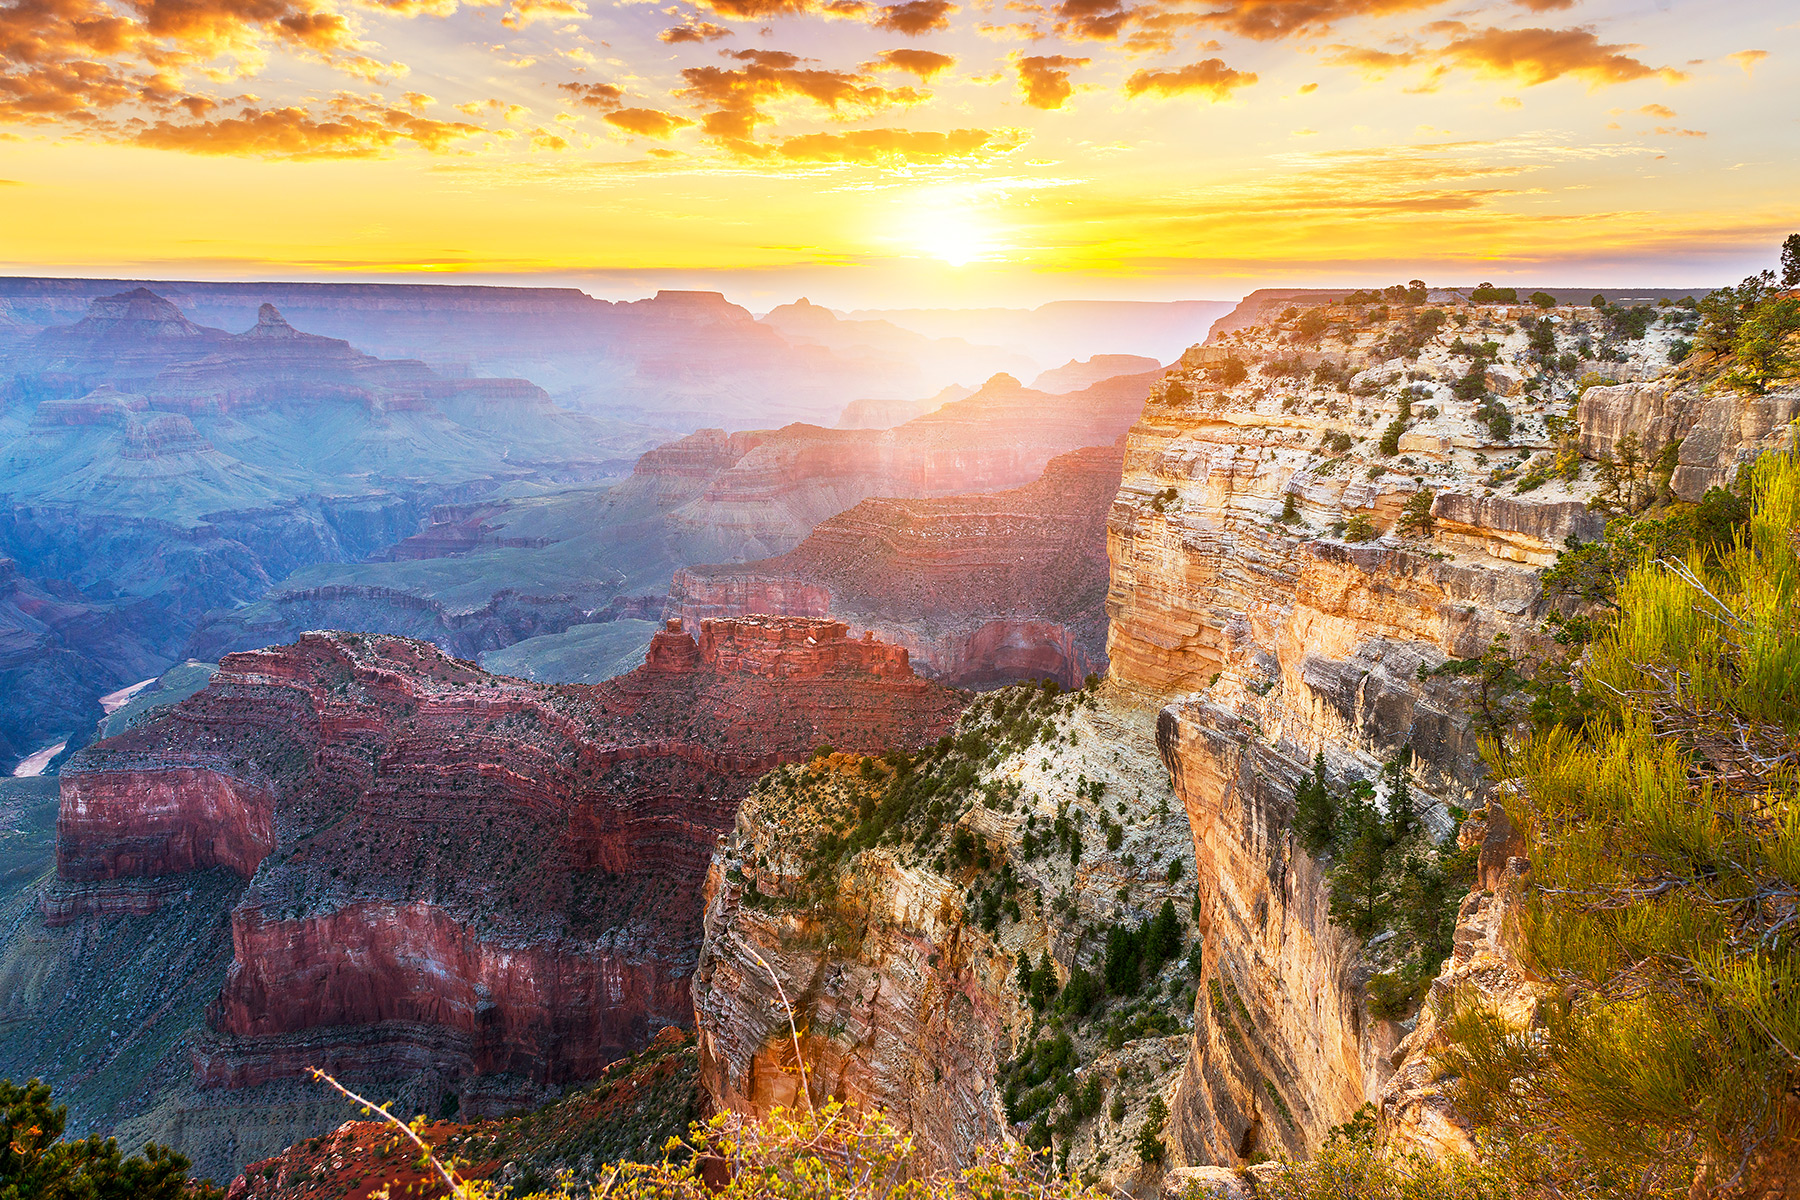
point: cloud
(761, 10)
(1748, 59)
(1534, 56)
(924, 63)
(915, 17)
(523, 12)
(693, 31)
(1266, 20)
(908, 146)
(1044, 78)
(1539, 6)
(736, 97)
(1209, 77)
(647, 122)
(595, 95)
(1657, 110)
(1525, 56)
(355, 130)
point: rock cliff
(892, 902)
(980, 589)
(1286, 586)
(462, 882)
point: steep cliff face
(488, 884)
(1240, 604)
(891, 905)
(980, 589)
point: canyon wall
(981, 589)
(488, 885)
(1240, 602)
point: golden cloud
(924, 63)
(1209, 77)
(736, 96)
(908, 146)
(762, 10)
(355, 130)
(1265, 20)
(1044, 78)
(915, 17)
(647, 122)
(693, 31)
(1534, 56)
(595, 95)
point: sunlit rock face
(1239, 602)
(904, 994)
(981, 589)
(494, 881)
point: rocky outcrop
(980, 589)
(900, 960)
(1075, 375)
(1719, 429)
(1239, 604)
(492, 882)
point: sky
(880, 153)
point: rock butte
(495, 881)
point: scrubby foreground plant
(834, 1152)
(1663, 908)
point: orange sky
(911, 151)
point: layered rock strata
(450, 872)
(1285, 587)
(980, 589)
(736, 497)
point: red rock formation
(460, 871)
(980, 589)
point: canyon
(981, 589)
(1074, 912)
(503, 574)
(422, 876)
(1254, 630)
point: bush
(1360, 529)
(1543, 299)
(1355, 1168)
(1664, 1051)
(1390, 437)
(1487, 293)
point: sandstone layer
(1284, 587)
(981, 590)
(456, 876)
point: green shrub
(1360, 529)
(1664, 1055)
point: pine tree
(1358, 900)
(1315, 817)
(1402, 819)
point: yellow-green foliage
(1356, 1170)
(836, 1153)
(1664, 903)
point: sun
(955, 236)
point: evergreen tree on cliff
(35, 1164)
